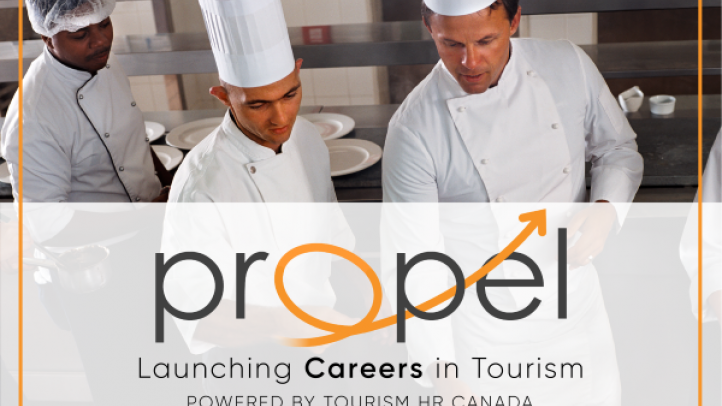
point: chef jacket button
(531, 73)
(132, 104)
(80, 97)
(107, 66)
(107, 135)
(500, 199)
(137, 199)
(462, 109)
(567, 169)
(484, 161)
(147, 139)
(121, 169)
(252, 169)
(555, 126)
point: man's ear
(299, 63)
(220, 93)
(48, 42)
(516, 21)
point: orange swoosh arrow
(537, 222)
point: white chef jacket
(84, 137)
(227, 166)
(229, 173)
(711, 238)
(525, 140)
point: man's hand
(163, 196)
(594, 223)
(288, 325)
(262, 325)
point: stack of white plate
(154, 130)
(330, 125)
(191, 134)
(347, 156)
(351, 156)
(170, 157)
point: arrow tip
(537, 219)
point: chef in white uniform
(84, 136)
(501, 120)
(263, 154)
(84, 141)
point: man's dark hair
(511, 7)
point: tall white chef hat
(49, 17)
(249, 40)
(457, 7)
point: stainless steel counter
(668, 143)
(376, 44)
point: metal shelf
(375, 44)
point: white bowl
(662, 104)
(631, 99)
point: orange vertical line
(699, 198)
(20, 202)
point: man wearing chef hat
(84, 136)
(502, 120)
(261, 153)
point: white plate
(331, 125)
(4, 173)
(352, 155)
(154, 130)
(190, 134)
(170, 157)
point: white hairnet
(49, 17)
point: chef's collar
(507, 75)
(254, 151)
(74, 77)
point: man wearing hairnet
(84, 137)
(84, 141)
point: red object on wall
(317, 35)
